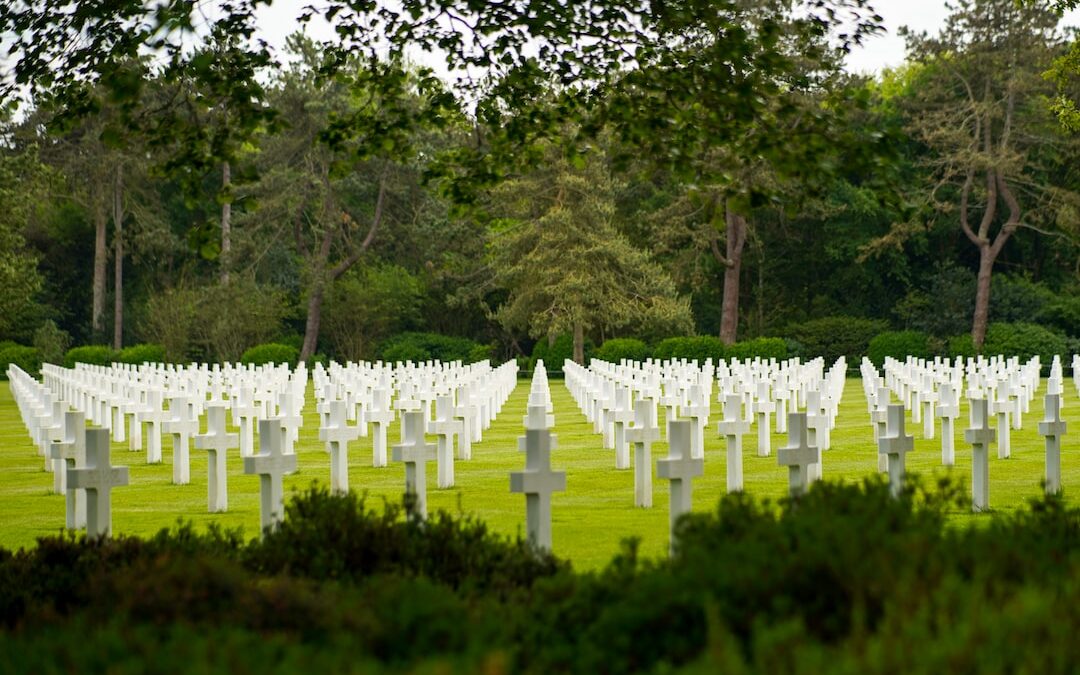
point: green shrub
(836, 336)
(1063, 314)
(97, 355)
(271, 353)
(899, 345)
(426, 347)
(27, 358)
(961, 345)
(697, 348)
(1024, 340)
(52, 342)
(617, 349)
(762, 347)
(144, 353)
(481, 353)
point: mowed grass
(589, 520)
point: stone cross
(1004, 408)
(697, 411)
(948, 411)
(798, 455)
(246, 411)
(680, 467)
(465, 411)
(980, 435)
(446, 428)
(182, 426)
(537, 482)
(380, 415)
(98, 478)
(1053, 428)
(270, 464)
(928, 397)
(817, 424)
(291, 420)
(763, 407)
(156, 418)
(71, 453)
(217, 442)
(896, 445)
(537, 417)
(415, 454)
(621, 417)
(644, 432)
(879, 418)
(337, 434)
(732, 428)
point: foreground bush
(271, 353)
(97, 355)
(845, 580)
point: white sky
(884, 51)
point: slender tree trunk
(118, 255)
(97, 315)
(579, 344)
(226, 222)
(315, 298)
(736, 239)
(982, 296)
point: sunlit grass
(589, 520)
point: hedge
(271, 353)
(697, 348)
(97, 355)
(836, 336)
(142, 353)
(617, 349)
(556, 354)
(899, 345)
(762, 348)
(27, 358)
(418, 347)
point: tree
(23, 183)
(566, 267)
(976, 108)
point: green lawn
(590, 519)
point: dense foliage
(846, 579)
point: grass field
(589, 520)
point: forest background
(728, 180)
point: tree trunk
(97, 315)
(315, 298)
(118, 255)
(579, 344)
(736, 238)
(226, 222)
(982, 296)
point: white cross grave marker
(680, 467)
(217, 443)
(980, 435)
(948, 411)
(155, 417)
(182, 426)
(270, 464)
(763, 407)
(537, 482)
(732, 428)
(98, 478)
(71, 453)
(380, 415)
(643, 434)
(415, 454)
(1053, 428)
(445, 427)
(798, 455)
(337, 434)
(896, 445)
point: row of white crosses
(466, 400)
(83, 465)
(621, 401)
(126, 397)
(537, 481)
(996, 387)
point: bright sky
(884, 51)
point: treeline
(846, 579)
(338, 205)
